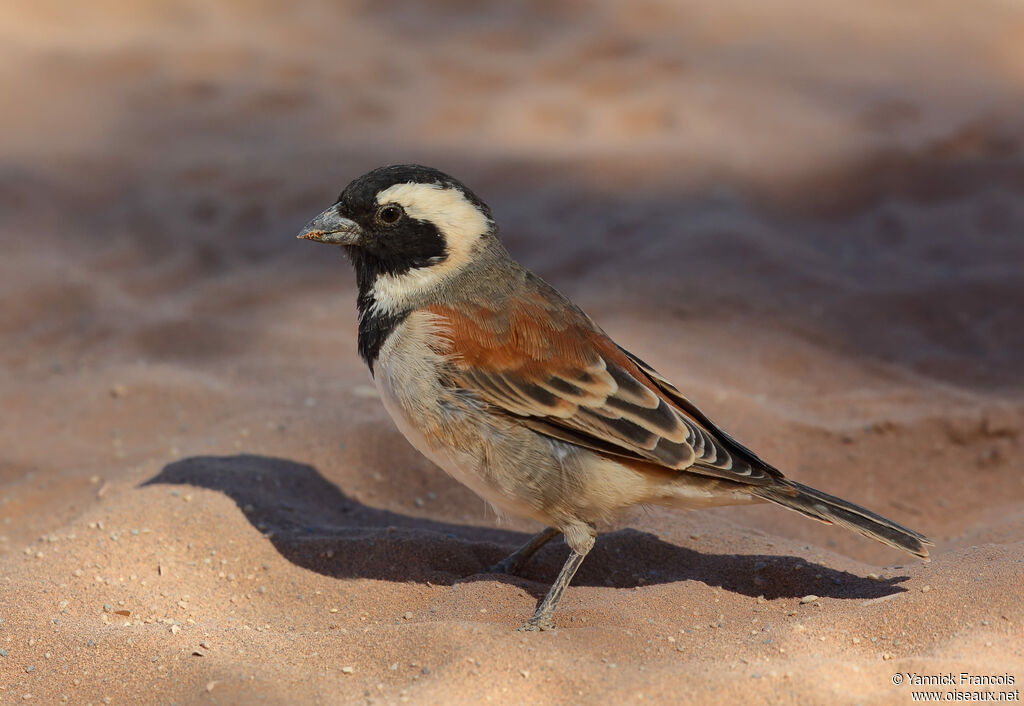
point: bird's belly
(464, 463)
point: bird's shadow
(316, 526)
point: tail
(832, 510)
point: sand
(809, 217)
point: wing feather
(546, 363)
(748, 463)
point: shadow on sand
(316, 526)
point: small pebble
(925, 589)
(407, 616)
(348, 670)
(810, 598)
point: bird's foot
(503, 567)
(538, 623)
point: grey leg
(581, 541)
(514, 561)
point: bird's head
(407, 228)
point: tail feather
(832, 510)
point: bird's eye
(389, 214)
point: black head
(402, 217)
(407, 229)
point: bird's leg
(514, 561)
(580, 539)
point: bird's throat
(376, 323)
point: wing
(733, 447)
(545, 362)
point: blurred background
(808, 215)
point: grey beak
(330, 227)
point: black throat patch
(374, 329)
(374, 325)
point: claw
(502, 567)
(535, 624)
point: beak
(329, 227)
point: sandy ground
(809, 216)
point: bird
(514, 391)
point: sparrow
(510, 388)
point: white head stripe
(461, 222)
(458, 218)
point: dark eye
(389, 214)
